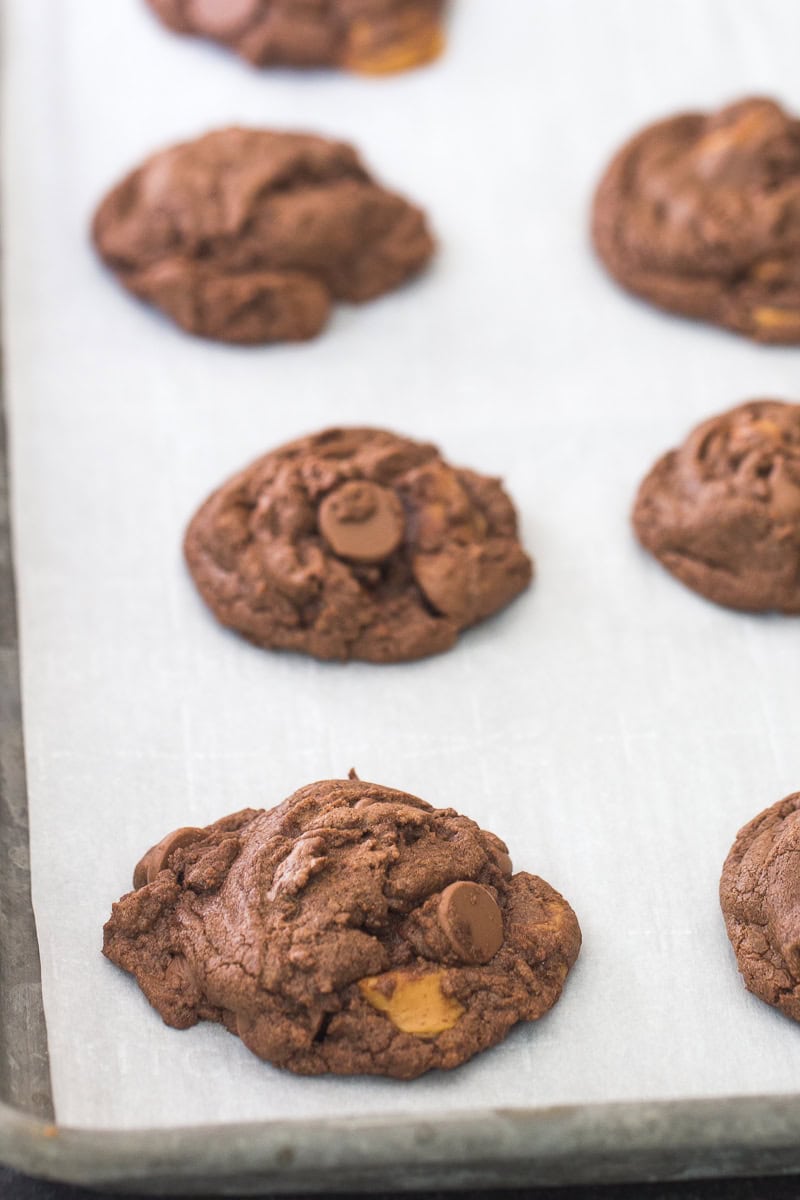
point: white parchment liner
(615, 729)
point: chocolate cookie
(374, 37)
(700, 214)
(760, 897)
(245, 235)
(356, 543)
(353, 929)
(722, 513)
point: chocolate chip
(472, 921)
(362, 521)
(156, 857)
(222, 18)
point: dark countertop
(18, 1187)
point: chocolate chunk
(362, 521)
(760, 898)
(700, 214)
(471, 921)
(156, 857)
(320, 939)
(374, 37)
(246, 235)
(722, 512)
(356, 543)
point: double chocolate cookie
(353, 929)
(247, 235)
(700, 214)
(356, 543)
(374, 37)
(760, 897)
(722, 512)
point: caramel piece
(771, 270)
(784, 319)
(768, 429)
(362, 521)
(156, 857)
(472, 921)
(413, 1003)
(728, 148)
(415, 41)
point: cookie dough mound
(760, 897)
(356, 543)
(374, 37)
(700, 215)
(353, 929)
(722, 512)
(246, 235)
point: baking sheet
(615, 729)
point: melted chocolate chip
(362, 521)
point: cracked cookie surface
(722, 512)
(356, 544)
(373, 37)
(354, 929)
(700, 215)
(250, 235)
(760, 898)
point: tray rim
(605, 1142)
(611, 1142)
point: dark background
(19, 1187)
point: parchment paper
(615, 729)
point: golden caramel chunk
(413, 1003)
(418, 41)
(749, 127)
(768, 429)
(777, 318)
(770, 270)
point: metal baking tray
(512, 1147)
